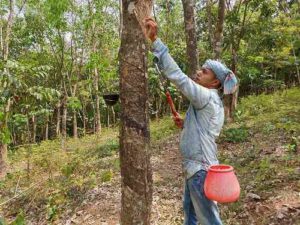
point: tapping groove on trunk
(134, 131)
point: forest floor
(83, 186)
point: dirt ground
(102, 204)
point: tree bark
(121, 18)
(232, 101)
(64, 118)
(297, 67)
(97, 116)
(8, 30)
(107, 116)
(209, 23)
(113, 115)
(75, 130)
(191, 37)
(84, 120)
(64, 123)
(97, 103)
(134, 131)
(58, 119)
(219, 30)
(47, 128)
(1, 37)
(33, 121)
(3, 146)
(3, 159)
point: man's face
(207, 78)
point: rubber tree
(219, 30)
(134, 129)
(4, 119)
(95, 46)
(191, 36)
(237, 32)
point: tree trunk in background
(58, 119)
(3, 146)
(297, 67)
(64, 119)
(3, 159)
(209, 22)
(47, 128)
(107, 116)
(84, 119)
(234, 96)
(217, 45)
(232, 100)
(134, 131)
(97, 118)
(8, 30)
(191, 37)
(1, 36)
(121, 19)
(219, 30)
(113, 115)
(97, 103)
(168, 8)
(64, 123)
(28, 130)
(75, 130)
(33, 121)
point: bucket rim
(221, 168)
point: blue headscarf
(223, 74)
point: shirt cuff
(158, 48)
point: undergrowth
(57, 179)
(263, 147)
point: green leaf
(20, 220)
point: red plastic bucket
(221, 184)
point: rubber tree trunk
(97, 103)
(64, 123)
(209, 22)
(47, 128)
(113, 115)
(107, 116)
(297, 67)
(33, 122)
(64, 119)
(3, 146)
(97, 117)
(58, 119)
(134, 131)
(219, 30)
(232, 100)
(84, 119)
(8, 29)
(121, 18)
(191, 37)
(217, 53)
(75, 130)
(3, 159)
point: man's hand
(151, 29)
(178, 121)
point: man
(203, 123)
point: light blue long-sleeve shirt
(204, 118)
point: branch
(21, 8)
(23, 192)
